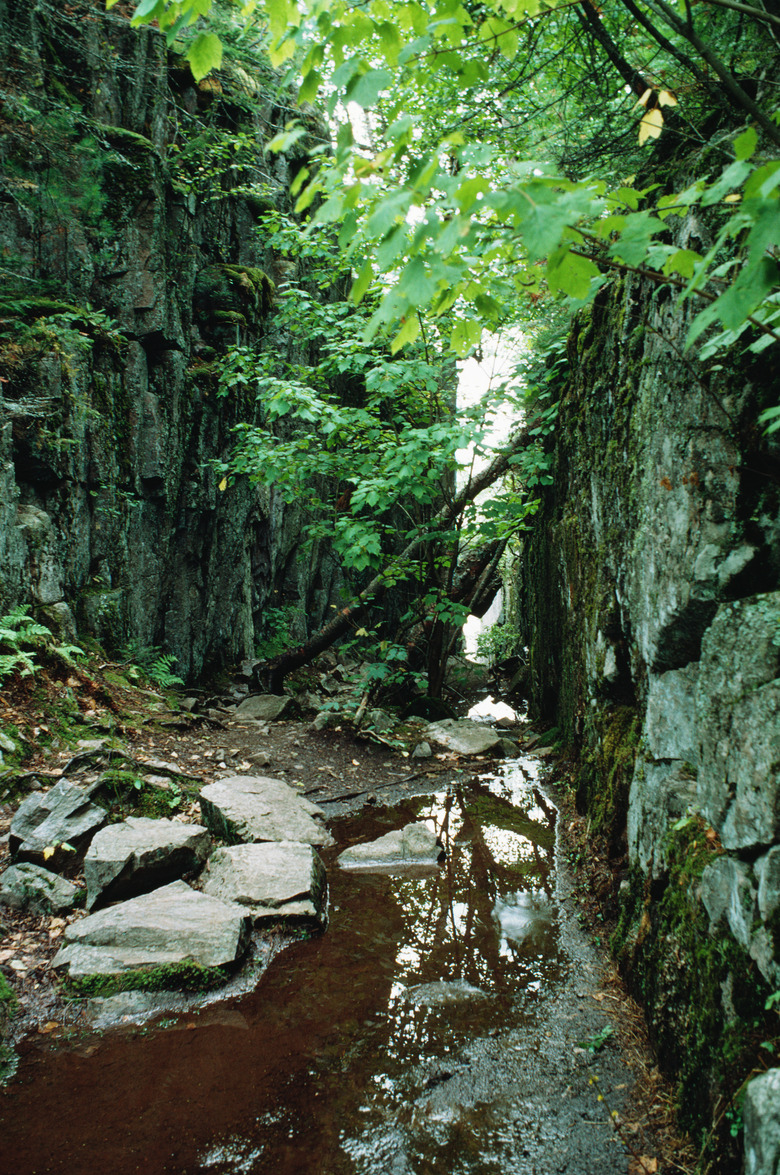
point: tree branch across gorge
(273, 672)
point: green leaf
(367, 87)
(204, 54)
(682, 262)
(746, 143)
(571, 274)
(361, 283)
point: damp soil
(446, 1022)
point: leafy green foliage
(22, 638)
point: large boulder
(140, 854)
(170, 927)
(283, 879)
(247, 808)
(264, 707)
(52, 826)
(415, 844)
(29, 887)
(464, 736)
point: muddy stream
(439, 1026)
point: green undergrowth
(124, 792)
(704, 998)
(187, 977)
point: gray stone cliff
(127, 269)
(648, 599)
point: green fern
(152, 662)
(21, 637)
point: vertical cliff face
(128, 267)
(649, 603)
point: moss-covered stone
(173, 977)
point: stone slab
(738, 723)
(171, 925)
(283, 879)
(139, 855)
(761, 1113)
(249, 808)
(464, 736)
(264, 707)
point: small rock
(7, 744)
(509, 749)
(422, 751)
(324, 719)
(464, 736)
(29, 887)
(380, 721)
(189, 704)
(415, 844)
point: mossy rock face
(704, 996)
(607, 771)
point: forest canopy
(502, 153)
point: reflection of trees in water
(450, 932)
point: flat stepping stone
(250, 808)
(274, 880)
(48, 820)
(29, 887)
(139, 855)
(172, 926)
(415, 844)
(464, 736)
(264, 707)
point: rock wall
(127, 268)
(648, 601)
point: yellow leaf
(643, 100)
(361, 632)
(651, 125)
(48, 852)
(734, 198)
(223, 484)
(665, 98)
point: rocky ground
(155, 752)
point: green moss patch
(172, 977)
(607, 771)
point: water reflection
(328, 1059)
